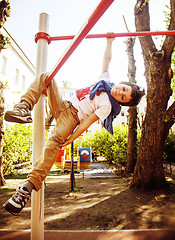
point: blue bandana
(103, 86)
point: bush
(112, 147)
(169, 149)
(17, 146)
(119, 148)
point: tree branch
(170, 117)
(169, 42)
(142, 22)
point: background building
(16, 71)
(122, 118)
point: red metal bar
(128, 34)
(98, 12)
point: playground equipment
(43, 39)
(64, 161)
(85, 157)
(105, 35)
(81, 161)
(37, 213)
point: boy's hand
(84, 125)
(110, 39)
(67, 142)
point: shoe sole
(7, 209)
(17, 119)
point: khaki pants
(66, 120)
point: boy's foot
(17, 202)
(19, 114)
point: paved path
(169, 168)
(98, 169)
(93, 235)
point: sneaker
(19, 114)
(17, 202)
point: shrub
(17, 146)
(112, 147)
(169, 149)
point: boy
(100, 101)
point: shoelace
(21, 107)
(20, 194)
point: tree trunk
(132, 140)
(2, 180)
(132, 126)
(4, 13)
(149, 172)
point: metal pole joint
(42, 35)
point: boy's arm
(107, 55)
(83, 126)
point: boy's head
(127, 93)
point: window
(4, 65)
(63, 94)
(23, 82)
(122, 114)
(17, 77)
(71, 94)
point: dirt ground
(96, 204)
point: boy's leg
(66, 121)
(35, 90)
(65, 124)
(63, 112)
(21, 111)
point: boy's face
(121, 93)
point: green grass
(16, 176)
